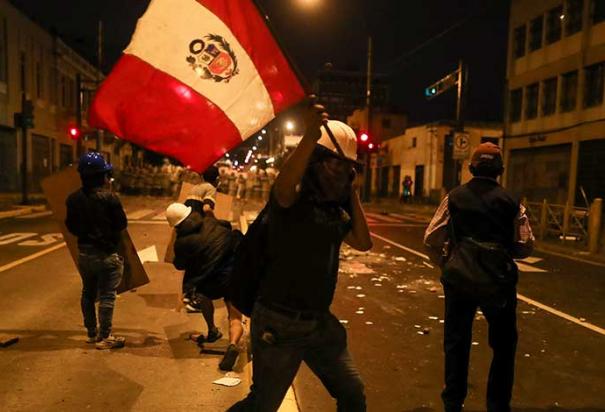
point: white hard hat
(176, 213)
(345, 136)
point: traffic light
(442, 85)
(74, 132)
(25, 119)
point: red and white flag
(198, 77)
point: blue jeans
(280, 344)
(101, 274)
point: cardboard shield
(56, 189)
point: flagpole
(301, 77)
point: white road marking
(35, 215)
(138, 214)
(149, 254)
(15, 237)
(411, 217)
(31, 257)
(531, 260)
(523, 298)
(370, 220)
(47, 239)
(560, 314)
(289, 404)
(383, 218)
(529, 269)
(407, 249)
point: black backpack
(249, 267)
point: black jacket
(96, 218)
(202, 245)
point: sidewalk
(10, 204)
(425, 212)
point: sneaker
(111, 342)
(190, 308)
(93, 339)
(214, 335)
(229, 358)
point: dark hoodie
(202, 245)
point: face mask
(329, 180)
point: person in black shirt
(313, 208)
(95, 216)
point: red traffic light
(74, 132)
(371, 146)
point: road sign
(462, 145)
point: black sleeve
(195, 205)
(116, 212)
(72, 218)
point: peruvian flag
(198, 77)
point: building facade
(555, 120)
(342, 92)
(39, 67)
(425, 153)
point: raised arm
(294, 168)
(359, 236)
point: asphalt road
(390, 300)
(393, 317)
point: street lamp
(289, 125)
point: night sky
(336, 31)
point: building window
(520, 36)
(386, 123)
(593, 86)
(531, 106)
(573, 17)
(516, 104)
(536, 27)
(598, 11)
(63, 87)
(414, 141)
(549, 96)
(3, 52)
(569, 91)
(554, 21)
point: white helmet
(345, 136)
(176, 213)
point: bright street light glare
(289, 125)
(309, 3)
(260, 138)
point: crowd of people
(150, 180)
(314, 207)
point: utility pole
(79, 150)
(24, 197)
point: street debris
(369, 323)
(433, 317)
(475, 343)
(417, 326)
(400, 259)
(360, 312)
(8, 341)
(230, 379)
(378, 284)
(344, 321)
(428, 265)
(356, 268)
(386, 247)
(361, 295)
(527, 355)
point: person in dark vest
(96, 217)
(313, 208)
(482, 210)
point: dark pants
(459, 315)
(101, 274)
(280, 344)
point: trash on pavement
(361, 295)
(433, 317)
(344, 321)
(378, 284)
(6, 341)
(229, 380)
(360, 312)
(400, 259)
(369, 323)
(475, 343)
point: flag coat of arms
(198, 77)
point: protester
(205, 249)
(95, 216)
(406, 185)
(313, 207)
(480, 211)
(202, 199)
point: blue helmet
(93, 163)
